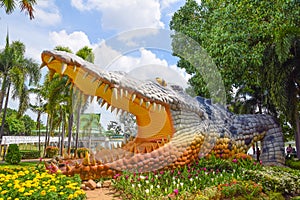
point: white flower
(146, 181)
(158, 186)
(174, 183)
(173, 178)
(139, 185)
(142, 177)
(181, 184)
(133, 185)
(151, 187)
(147, 191)
(191, 179)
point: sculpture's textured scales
(173, 128)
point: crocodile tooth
(94, 79)
(92, 99)
(121, 93)
(115, 93)
(163, 108)
(148, 104)
(133, 97)
(85, 75)
(98, 98)
(168, 138)
(159, 107)
(74, 69)
(103, 102)
(126, 93)
(72, 85)
(51, 74)
(85, 98)
(50, 59)
(63, 68)
(99, 84)
(118, 110)
(107, 106)
(68, 82)
(43, 65)
(112, 109)
(141, 101)
(154, 106)
(106, 88)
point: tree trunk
(62, 143)
(46, 135)
(38, 126)
(77, 126)
(3, 90)
(70, 122)
(4, 113)
(297, 136)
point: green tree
(16, 70)
(25, 5)
(60, 96)
(255, 45)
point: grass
(21, 164)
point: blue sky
(105, 26)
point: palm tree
(39, 108)
(25, 5)
(15, 70)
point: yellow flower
(21, 189)
(4, 192)
(16, 198)
(70, 196)
(9, 185)
(43, 193)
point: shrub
(13, 154)
(81, 152)
(51, 151)
(29, 154)
(295, 164)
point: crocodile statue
(173, 129)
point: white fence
(27, 139)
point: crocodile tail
(248, 129)
(272, 143)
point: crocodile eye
(161, 81)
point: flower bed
(212, 178)
(36, 183)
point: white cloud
(145, 66)
(47, 13)
(126, 14)
(75, 40)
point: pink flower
(234, 160)
(175, 191)
(260, 162)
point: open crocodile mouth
(154, 120)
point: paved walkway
(101, 193)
